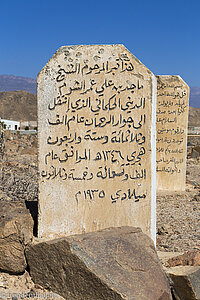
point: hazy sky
(164, 35)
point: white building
(30, 124)
(11, 125)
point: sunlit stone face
(171, 125)
(96, 141)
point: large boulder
(16, 231)
(115, 263)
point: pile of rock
(183, 272)
(115, 263)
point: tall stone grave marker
(171, 124)
(96, 120)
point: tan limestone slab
(171, 127)
(96, 122)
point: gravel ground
(178, 219)
(178, 214)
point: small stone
(196, 198)
(164, 229)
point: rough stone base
(185, 282)
(116, 263)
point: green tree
(3, 125)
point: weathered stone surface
(185, 282)
(16, 231)
(115, 263)
(190, 258)
(171, 126)
(165, 256)
(96, 131)
(22, 287)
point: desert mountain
(18, 106)
(9, 83)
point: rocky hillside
(18, 105)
